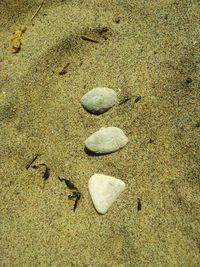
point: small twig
(46, 173)
(38, 9)
(28, 165)
(139, 204)
(126, 98)
(138, 98)
(87, 38)
(64, 70)
(76, 195)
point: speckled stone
(104, 190)
(99, 100)
(106, 140)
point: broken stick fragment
(87, 38)
(64, 70)
(37, 10)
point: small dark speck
(188, 80)
(46, 173)
(151, 140)
(117, 20)
(34, 167)
(139, 204)
(198, 124)
(166, 16)
(103, 30)
(138, 98)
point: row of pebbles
(103, 189)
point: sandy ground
(150, 49)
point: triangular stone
(104, 190)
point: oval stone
(106, 140)
(99, 100)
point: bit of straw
(38, 9)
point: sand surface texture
(144, 48)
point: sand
(151, 49)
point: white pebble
(99, 100)
(106, 140)
(104, 190)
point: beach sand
(144, 48)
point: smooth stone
(106, 140)
(99, 100)
(104, 190)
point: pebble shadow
(92, 154)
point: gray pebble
(99, 100)
(106, 140)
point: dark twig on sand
(87, 38)
(28, 165)
(64, 70)
(139, 204)
(76, 195)
(46, 173)
(138, 98)
(126, 98)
